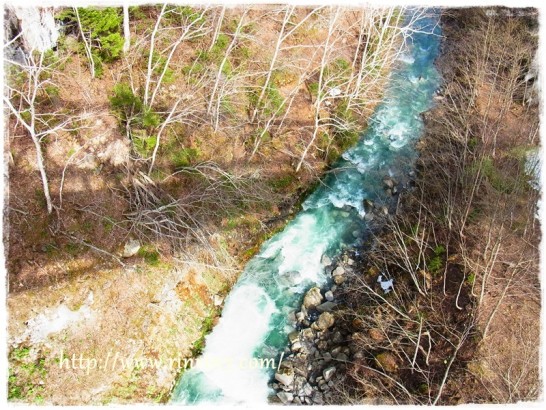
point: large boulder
(312, 298)
(338, 271)
(324, 321)
(131, 248)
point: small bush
(103, 26)
(125, 102)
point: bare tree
(24, 99)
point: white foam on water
(406, 59)
(227, 360)
(301, 247)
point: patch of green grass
(103, 26)
(313, 89)
(436, 262)
(472, 143)
(20, 353)
(108, 224)
(501, 180)
(26, 376)
(206, 328)
(272, 101)
(184, 157)
(50, 250)
(144, 144)
(282, 182)
(87, 226)
(72, 248)
(125, 102)
(150, 255)
(471, 278)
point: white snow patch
(55, 320)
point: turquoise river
(255, 319)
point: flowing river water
(255, 320)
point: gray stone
(324, 321)
(368, 205)
(312, 298)
(293, 336)
(342, 357)
(307, 390)
(285, 397)
(327, 357)
(337, 338)
(297, 401)
(131, 248)
(292, 317)
(326, 306)
(218, 300)
(325, 261)
(308, 334)
(358, 355)
(296, 346)
(285, 376)
(300, 317)
(368, 217)
(329, 296)
(350, 262)
(388, 182)
(338, 271)
(339, 279)
(317, 398)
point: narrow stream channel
(255, 320)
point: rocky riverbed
(320, 349)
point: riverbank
(442, 306)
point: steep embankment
(166, 169)
(462, 321)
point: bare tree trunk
(126, 30)
(150, 57)
(38, 147)
(86, 45)
(218, 27)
